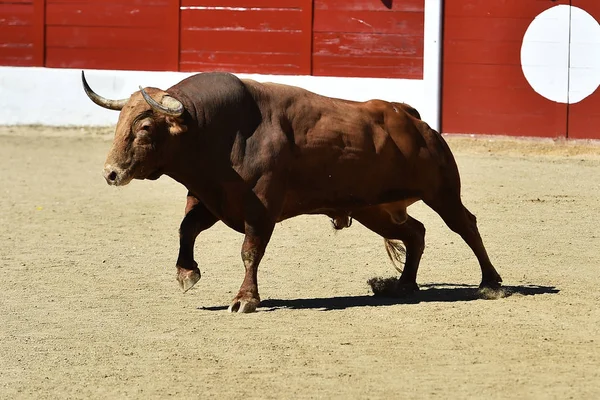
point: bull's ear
(176, 125)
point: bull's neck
(199, 162)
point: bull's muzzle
(113, 175)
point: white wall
(55, 96)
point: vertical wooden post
(307, 37)
(39, 33)
(173, 22)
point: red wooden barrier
(112, 34)
(368, 38)
(484, 89)
(19, 30)
(584, 117)
(266, 36)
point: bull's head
(148, 125)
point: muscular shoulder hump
(219, 97)
(410, 110)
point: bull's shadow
(438, 292)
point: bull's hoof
(187, 278)
(488, 293)
(392, 287)
(407, 288)
(244, 305)
(491, 290)
(491, 283)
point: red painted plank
(367, 45)
(405, 23)
(241, 62)
(16, 2)
(307, 38)
(107, 38)
(259, 20)
(15, 35)
(106, 14)
(278, 4)
(368, 55)
(39, 32)
(16, 51)
(16, 56)
(377, 38)
(490, 101)
(486, 29)
(16, 14)
(172, 33)
(240, 58)
(484, 76)
(503, 124)
(584, 117)
(471, 106)
(246, 35)
(497, 53)
(498, 8)
(147, 3)
(242, 68)
(592, 7)
(388, 67)
(251, 41)
(372, 5)
(484, 89)
(109, 58)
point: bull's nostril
(112, 176)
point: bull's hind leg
(449, 206)
(397, 225)
(197, 218)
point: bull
(253, 154)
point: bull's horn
(169, 105)
(101, 101)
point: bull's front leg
(253, 249)
(261, 207)
(197, 219)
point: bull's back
(344, 153)
(355, 154)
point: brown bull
(253, 154)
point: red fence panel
(584, 116)
(112, 34)
(266, 36)
(484, 89)
(20, 30)
(369, 38)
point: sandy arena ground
(89, 306)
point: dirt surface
(89, 306)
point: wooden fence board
(141, 35)
(246, 36)
(368, 38)
(17, 33)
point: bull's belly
(335, 202)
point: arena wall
(516, 67)
(358, 50)
(522, 67)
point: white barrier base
(55, 97)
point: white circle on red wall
(560, 54)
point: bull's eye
(145, 126)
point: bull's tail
(396, 252)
